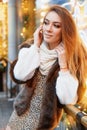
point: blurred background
(18, 21)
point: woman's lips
(47, 35)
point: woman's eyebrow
(52, 21)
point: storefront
(19, 19)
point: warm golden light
(41, 20)
(4, 1)
(21, 34)
(3, 30)
(27, 11)
(83, 102)
(86, 89)
(86, 82)
(43, 14)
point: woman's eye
(57, 26)
(46, 23)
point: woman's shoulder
(26, 44)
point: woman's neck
(51, 46)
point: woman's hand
(38, 36)
(62, 56)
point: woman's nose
(49, 27)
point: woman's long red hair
(76, 53)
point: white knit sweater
(29, 60)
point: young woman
(53, 71)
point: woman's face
(52, 29)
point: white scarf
(47, 58)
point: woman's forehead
(53, 16)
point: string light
(3, 30)
(4, 1)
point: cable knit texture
(47, 58)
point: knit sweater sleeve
(66, 88)
(28, 61)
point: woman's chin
(47, 40)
